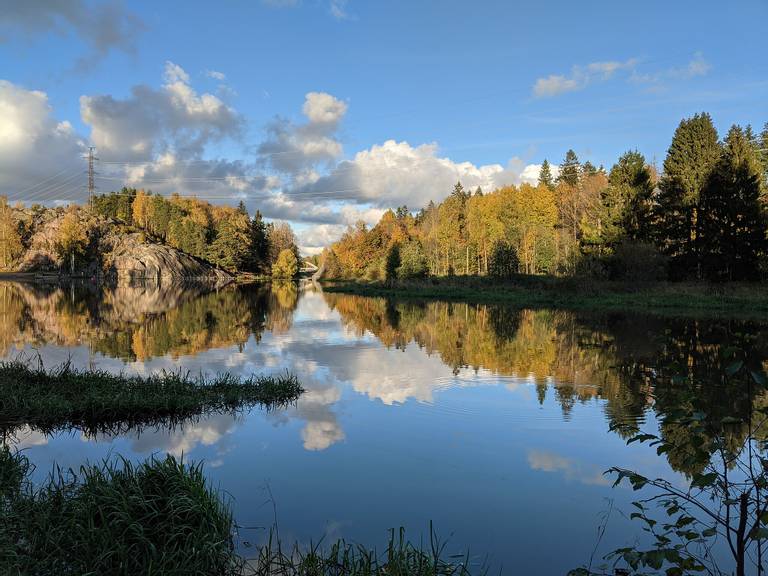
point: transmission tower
(91, 186)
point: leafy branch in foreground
(99, 401)
(726, 497)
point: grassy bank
(571, 293)
(162, 517)
(98, 401)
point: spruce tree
(733, 226)
(258, 259)
(570, 169)
(687, 168)
(545, 175)
(588, 169)
(627, 200)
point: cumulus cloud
(298, 149)
(397, 173)
(154, 121)
(579, 78)
(34, 146)
(103, 27)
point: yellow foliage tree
(72, 239)
(286, 266)
(10, 239)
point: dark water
(494, 423)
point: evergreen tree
(588, 169)
(545, 175)
(231, 246)
(627, 200)
(392, 263)
(413, 260)
(733, 225)
(570, 169)
(687, 168)
(259, 256)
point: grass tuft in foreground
(162, 517)
(159, 517)
(98, 401)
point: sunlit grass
(99, 401)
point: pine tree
(570, 169)
(689, 163)
(733, 225)
(545, 175)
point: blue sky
(377, 103)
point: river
(495, 424)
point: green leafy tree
(286, 265)
(732, 227)
(689, 163)
(413, 260)
(231, 246)
(545, 175)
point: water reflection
(393, 352)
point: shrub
(638, 261)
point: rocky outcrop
(115, 253)
(131, 260)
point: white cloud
(298, 149)
(216, 75)
(34, 146)
(657, 81)
(104, 26)
(580, 77)
(396, 173)
(338, 9)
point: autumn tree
(286, 265)
(71, 240)
(280, 237)
(10, 238)
(689, 163)
(413, 260)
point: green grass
(163, 517)
(158, 517)
(742, 299)
(98, 401)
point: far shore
(742, 300)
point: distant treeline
(224, 236)
(704, 217)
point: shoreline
(663, 298)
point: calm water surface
(491, 422)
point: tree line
(704, 217)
